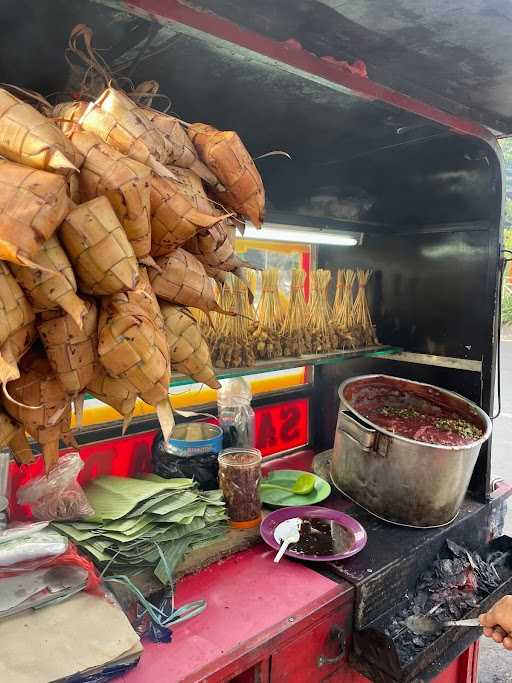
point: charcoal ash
(453, 585)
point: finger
(488, 620)
(507, 643)
(497, 636)
(488, 632)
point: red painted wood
(293, 54)
(303, 460)
(254, 607)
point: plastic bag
(57, 495)
(236, 417)
(70, 557)
(202, 467)
(39, 544)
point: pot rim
(481, 413)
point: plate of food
(325, 535)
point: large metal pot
(395, 478)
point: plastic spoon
(285, 533)
(303, 485)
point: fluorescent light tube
(275, 232)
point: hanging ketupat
(38, 400)
(189, 351)
(54, 285)
(98, 248)
(132, 345)
(28, 137)
(32, 205)
(123, 181)
(225, 155)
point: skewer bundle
(342, 309)
(323, 337)
(362, 321)
(268, 331)
(233, 346)
(296, 339)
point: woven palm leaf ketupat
(183, 280)
(125, 182)
(189, 351)
(214, 249)
(180, 149)
(55, 286)
(115, 392)
(72, 351)
(225, 155)
(119, 122)
(28, 137)
(132, 345)
(32, 205)
(97, 246)
(38, 401)
(16, 315)
(174, 219)
(20, 446)
(67, 115)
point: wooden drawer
(317, 652)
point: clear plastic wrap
(57, 495)
(236, 416)
(44, 543)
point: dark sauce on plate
(322, 537)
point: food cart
(392, 141)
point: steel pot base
(391, 521)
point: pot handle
(368, 440)
(364, 436)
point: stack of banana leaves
(138, 522)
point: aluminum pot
(395, 478)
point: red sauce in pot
(406, 414)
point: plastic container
(239, 479)
(191, 452)
(236, 416)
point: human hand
(497, 622)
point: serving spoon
(303, 485)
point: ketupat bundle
(183, 280)
(174, 219)
(189, 351)
(133, 347)
(233, 347)
(225, 155)
(67, 115)
(28, 137)
(118, 121)
(16, 315)
(180, 149)
(53, 287)
(363, 328)
(295, 335)
(38, 401)
(107, 173)
(269, 315)
(32, 205)
(72, 351)
(98, 248)
(323, 337)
